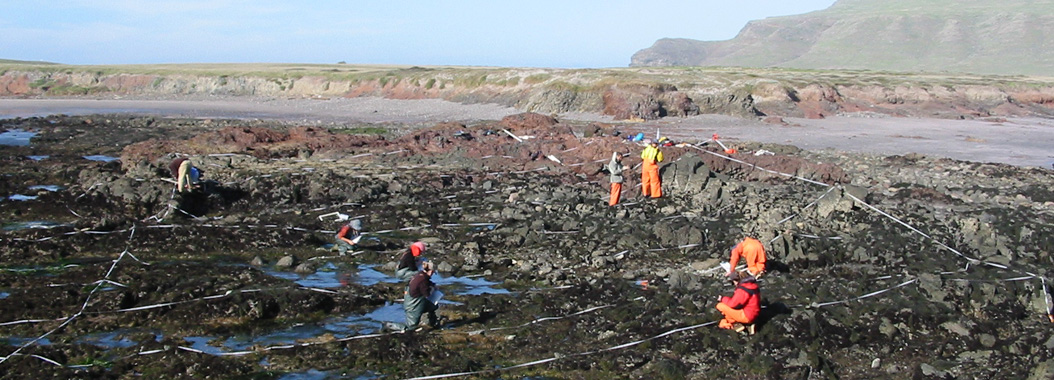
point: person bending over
(408, 262)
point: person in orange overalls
(615, 168)
(649, 174)
(753, 252)
(743, 307)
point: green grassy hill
(17, 62)
(971, 36)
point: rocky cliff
(993, 37)
(625, 94)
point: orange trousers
(731, 316)
(616, 192)
(649, 180)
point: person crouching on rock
(744, 305)
(417, 302)
(408, 262)
(349, 236)
(753, 252)
(615, 168)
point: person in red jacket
(348, 236)
(753, 252)
(744, 305)
(409, 261)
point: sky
(538, 33)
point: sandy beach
(1018, 141)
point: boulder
(286, 262)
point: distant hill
(13, 61)
(970, 36)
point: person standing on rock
(743, 307)
(753, 253)
(408, 262)
(417, 299)
(615, 168)
(649, 176)
(348, 236)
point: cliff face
(646, 95)
(974, 36)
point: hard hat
(355, 224)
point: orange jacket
(753, 251)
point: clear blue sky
(539, 33)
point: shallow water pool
(101, 158)
(51, 188)
(16, 137)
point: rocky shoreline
(883, 266)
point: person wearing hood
(649, 175)
(408, 262)
(615, 168)
(741, 309)
(348, 236)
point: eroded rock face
(648, 97)
(491, 206)
(646, 102)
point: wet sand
(1018, 141)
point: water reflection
(22, 198)
(330, 276)
(101, 158)
(52, 188)
(20, 341)
(16, 137)
(338, 328)
(34, 224)
(325, 277)
(113, 339)
(201, 343)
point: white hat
(355, 224)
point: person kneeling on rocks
(418, 298)
(744, 305)
(349, 236)
(408, 262)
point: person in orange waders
(649, 175)
(753, 252)
(615, 168)
(743, 307)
